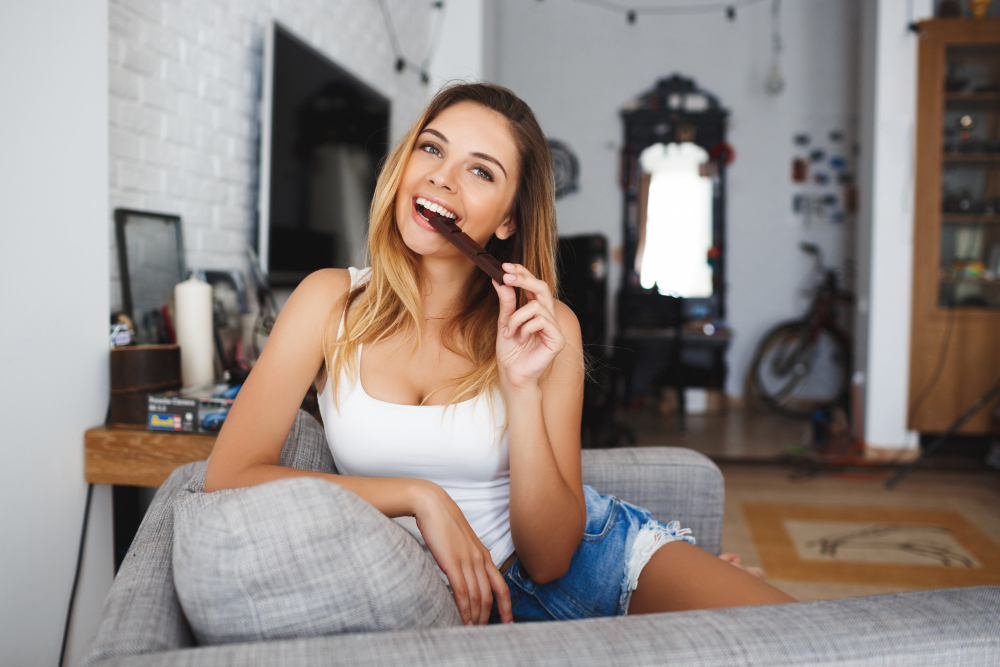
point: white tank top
(464, 449)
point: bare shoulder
(328, 285)
(312, 303)
(567, 321)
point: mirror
(151, 263)
(675, 220)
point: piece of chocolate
(484, 260)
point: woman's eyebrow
(484, 156)
(481, 156)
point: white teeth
(437, 208)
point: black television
(324, 135)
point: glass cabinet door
(970, 219)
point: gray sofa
(143, 624)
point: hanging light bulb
(775, 82)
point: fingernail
(469, 623)
(505, 332)
(509, 277)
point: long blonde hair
(389, 302)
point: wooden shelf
(971, 281)
(977, 98)
(134, 456)
(969, 218)
(972, 157)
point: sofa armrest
(674, 484)
(142, 613)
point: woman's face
(465, 161)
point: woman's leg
(681, 576)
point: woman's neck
(444, 285)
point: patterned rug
(827, 538)
(871, 545)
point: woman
(449, 398)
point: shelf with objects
(672, 302)
(955, 332)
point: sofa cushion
(298, 557)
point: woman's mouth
(425, 209)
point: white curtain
(678, 221)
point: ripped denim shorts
(618, 541)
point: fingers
(518, 276)
(486, 604)
(530, 319)
(475, 594)
(522, 315)
(508, 303)
(501, 593)
(460, 589)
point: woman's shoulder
(311, 305)
(325, 285)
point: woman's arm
(249, 445)
(547, 508)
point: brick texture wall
(184, 106)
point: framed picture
(229, 296)
(150, 263)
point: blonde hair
(389, 302)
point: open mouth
(428, 208)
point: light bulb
(775, 82)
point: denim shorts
(618, 541)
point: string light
(402, 62)
(631, 13)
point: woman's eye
(430, 148)
(482, 173)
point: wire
(76, 577)
(653, 10)
(390, 28)
(942, 355)
(945, 344)
(402, 62)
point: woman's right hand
(473, 576)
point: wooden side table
(134, 456)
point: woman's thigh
(681, 576)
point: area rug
(827, 537)
(873, 546)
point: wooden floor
(737, 434)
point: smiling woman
(403, 351)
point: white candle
(193, 326)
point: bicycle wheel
(798, 369)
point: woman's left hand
(529, 338)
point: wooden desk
(133, 456)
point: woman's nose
(443, 177)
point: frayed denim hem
(651, 536)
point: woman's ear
(506, 229)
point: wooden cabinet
(955, 334)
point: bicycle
(804, 365)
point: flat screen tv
(323, 137)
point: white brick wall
(184, 108)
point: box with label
(165, 412)
(194, 410)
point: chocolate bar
(484, 260)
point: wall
(459, 55)
(885, 230)
(184, 103)
(577, 65)
(54, 322)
